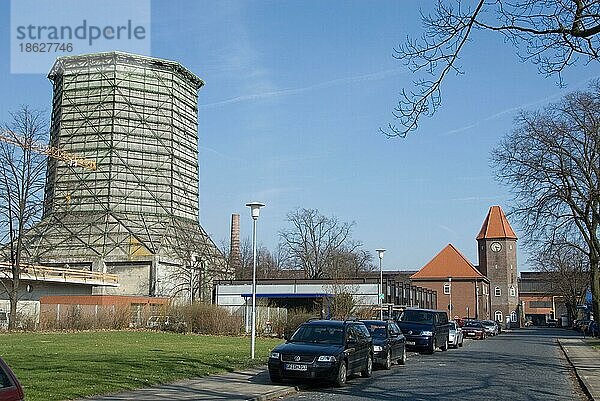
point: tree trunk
(14, 298)
(595, 287)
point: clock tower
(497, 250)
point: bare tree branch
(551, 163)
(552, 34)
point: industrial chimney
(234, 248)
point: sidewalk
(253, 384)
(586, 362)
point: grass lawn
(62, 366)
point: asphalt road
(522, 365)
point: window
(498, 316)
(540, 304)
(513, 317)
(446, 288)
(497, 292)
(513, 291)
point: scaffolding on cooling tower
(137, 117)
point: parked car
(491, 327)
(10, 388)
(324, 350)
(425, 329)
(389, 344)
(581, 324)
(474, 329)
(593, 329)
(455, 335)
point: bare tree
(551, 162)
(318, 244)
(567, 272)
(552, 34)
(268, 264)
(350, 261)
(196, 262)
(22, 175)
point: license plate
(295, 366)
(410, 343)
(470, 334)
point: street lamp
(255, 209)
(450, 305)
(380, 294)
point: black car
(388, 342)
(425, 329)
(324, 350)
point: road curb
(583, 381)
(275, 394)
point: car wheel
(432, 347)
(342, 375)
(275, 378)
(445, 346)
(369, 368)
(460, 344)
(402, 361)
(388, 361)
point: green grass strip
(62, 366)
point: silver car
(455, 335)
(491, 327)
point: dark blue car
(388, 343)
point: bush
(90, 317)
(286, 325)
(203, 318)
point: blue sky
(295, 93)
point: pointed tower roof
(449, 262)
(496, 225)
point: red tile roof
(448, 263)
(496, 225)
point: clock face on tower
(496, 246)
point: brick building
(461, 288)
(497, 250)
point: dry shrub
(286, 325)
(343, 306)
(203, 318)
(76, 317)
(366, 312)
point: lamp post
(450, 304)
(380, 294)
(255, 209)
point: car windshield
(487, 323)
(472, 324)
(310, 333)
(417, 316)
(377, 330)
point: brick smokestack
(234, 247)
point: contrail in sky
(294, 91)
(519, 107)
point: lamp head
(380, 253)
(255, 208)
